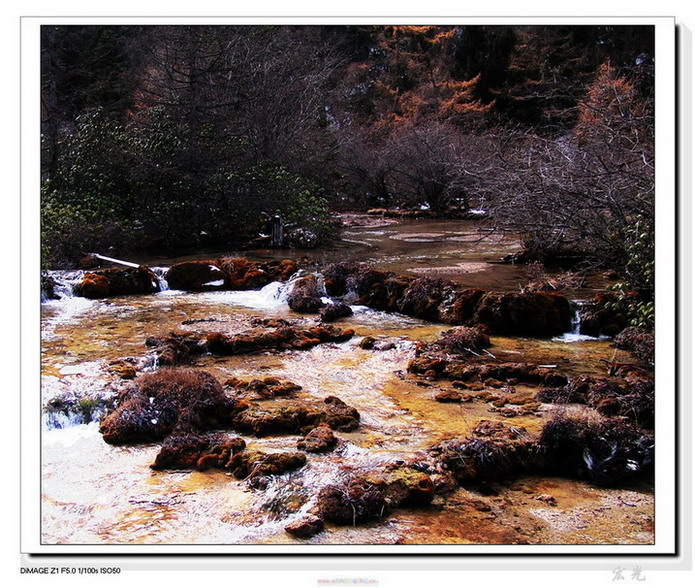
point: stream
(96, 493)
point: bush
(119, 186)
(639, 273)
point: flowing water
(95, 493)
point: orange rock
(94, 286)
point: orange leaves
(612, 104)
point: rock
(448, 396)
(90, 261)
(352, 502)
(197, 276)
(459, 307)
(608, 451)
(538, 314)
(380, 343)
(549, 500)
(305, 527)
(176, 347)
(296, 417)
(595, 318)
(93, 286)
(340, 416)
(267, 387)
(118, 282)
(252, 464)
(305, 296)
(535, 314)
(403, 486)
(200, 452)
(335, 311)
(130, 280)
(82, 409)
(283, 338)
(318, 440)
(48, 286)
(494, 452)
(336, 277)
(639, 342)
(464, 340)
(493, 373)
(281, 271)
(303, 237)
(423, 297)
(367, 342)
(631, 398)
(123, 369)
(167, 400)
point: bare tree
(580, 191)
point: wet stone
(448, 396)
(305, 527)
(200, 452)
(253, 464)
(169, 399)
(351, 502)
(318, 440)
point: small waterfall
(64, 283)
(574, 334)
(160, 272)
(80, 395)
(273, 296)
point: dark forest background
(175, 137)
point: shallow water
(94, 493)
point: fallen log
(112, 260)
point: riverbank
(113, 495)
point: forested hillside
(168, 137)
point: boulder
(118, 282)
(130, 280)
(464, 340)
(597, 318)
(608, 451)
(403, 485)
(268, 387)
(48, 287)
(197, 276)
(352, 502)
(123, 368)
(535, 314)
(639, 342)
(335, 311)
(318, 440)
(254, 464)
(200, 452)
(459, 307)
(336, 277)
(93, 286)
(176, 347)
(168, 400)
(493, 452)
(424, 296)
(305, 296)
(448, 396)
(282, 338)
(245, 274)
(305, 527)
(467, 371)
(294, 416)
(631, 398)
